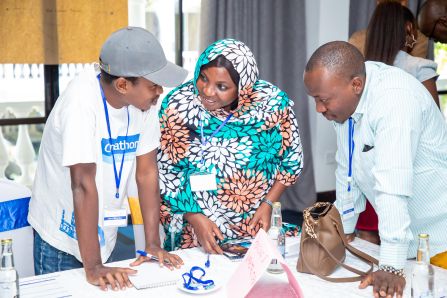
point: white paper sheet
(47, 286)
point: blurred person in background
(432, 20)
(358, 38)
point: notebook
(151, 275)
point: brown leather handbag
(323, 245)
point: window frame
(51, 82)
(51, 78)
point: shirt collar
(361, 107)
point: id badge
(203, 181)
(348, 207)
(115, 218)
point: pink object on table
(254, 265)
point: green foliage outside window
(441, 59)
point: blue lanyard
(351, 151)
(205, 141)
(194, 283)
(117, 175)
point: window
(29, 91)
(191, 26)
(22, 101)
(166, 19)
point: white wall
(136, 13)
(326, 20)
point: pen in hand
(151, 257)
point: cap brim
(169, 76)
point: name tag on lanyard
(115, 218)
(348, 206)
(348, 203)
(203, 181)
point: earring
(410, 43)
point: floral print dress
(259, 145)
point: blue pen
(208, 263)
(153, 258)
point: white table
(73, 282)
(14, 199)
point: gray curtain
(360, 12)
(275, 32)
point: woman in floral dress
(235, 133)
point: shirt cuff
(349, 224)
(393, 254)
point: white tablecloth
(73, 282)
(22, 236)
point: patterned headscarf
(258, 146)
(242, 60)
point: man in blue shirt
(392, 149)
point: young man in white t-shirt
(101, 125)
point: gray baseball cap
(135, 52)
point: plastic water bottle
(9, 279)
(422, 284)
(278, 237)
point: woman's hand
(262, 217)
(164, 258)
(206, 232)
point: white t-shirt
(76, 132)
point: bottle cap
(5, 241)
(277, 204)
(423, 235)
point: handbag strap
(360, 274)
(363, 256)
(358, 253)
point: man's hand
(350, 237)
(164, 258)
(103, 276)
(384, 284)
(206, 232)
(262, 217)
(85, 202)
(370, 236)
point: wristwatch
(392, 270)
(267, 201)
